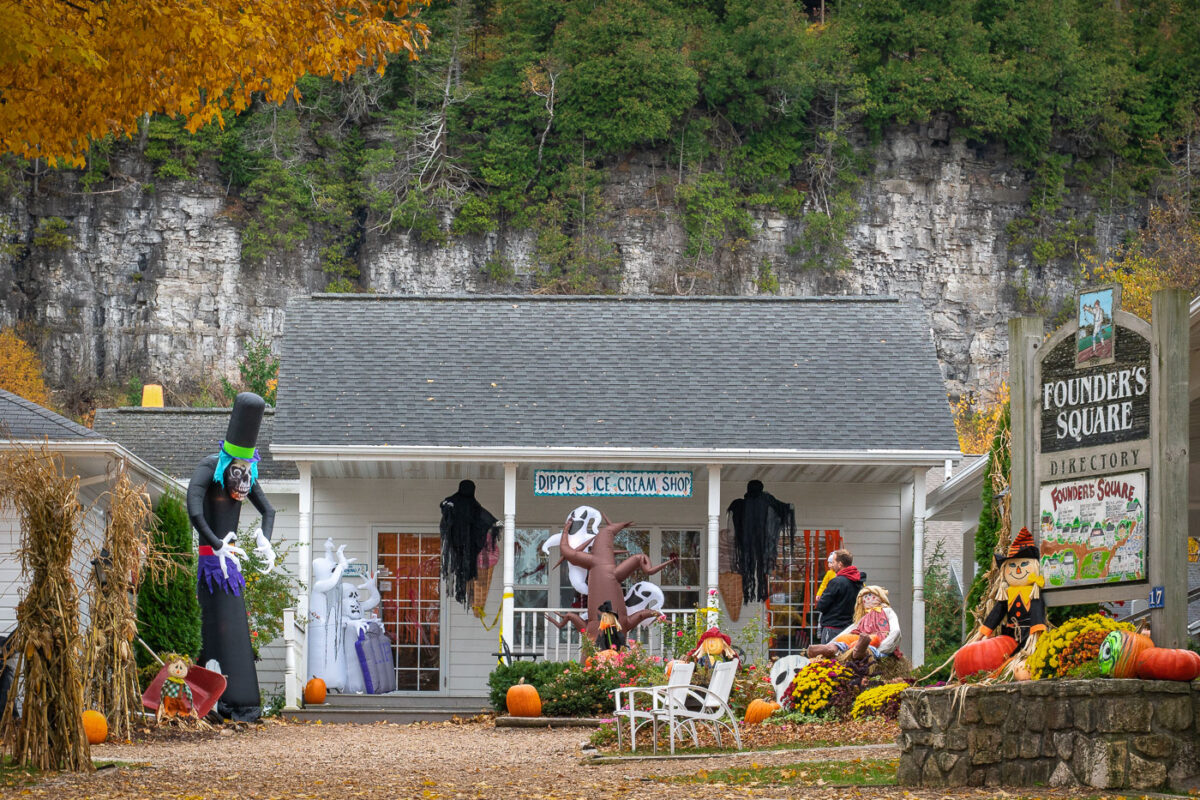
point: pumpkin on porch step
(314, 692)
(1168, 664)
(758, 710)
(523, 700)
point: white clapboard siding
(352, 511)
(13, 582)
(287, 517)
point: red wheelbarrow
(207, 688)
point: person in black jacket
(836, 604)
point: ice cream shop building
(655, 410)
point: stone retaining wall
(1107, 734)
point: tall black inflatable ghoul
(218, 486)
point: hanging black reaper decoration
(758, 520)
(467, 528)
(214, 502)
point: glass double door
(410, 590)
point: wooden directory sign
(1099, 466)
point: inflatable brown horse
(604, 579)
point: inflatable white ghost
(356, 601)
(584, 523)
(326, 656)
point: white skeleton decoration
(584, 523)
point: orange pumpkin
(314, 692)
(1167, 664)
(95, 727)
(1119, 653)
(758, 710)
(986, 655)
(523, 700)
(602, 656)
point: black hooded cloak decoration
(466, 529)
(758, 520)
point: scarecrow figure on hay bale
(1018, 613)
(872, 639)
(214, 503)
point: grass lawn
(859, 772)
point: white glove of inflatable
(264, 550)
(229, 552)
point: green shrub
(167, 612)
(536, 674)
(582, 690)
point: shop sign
(612, 483)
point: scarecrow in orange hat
(712, 648)
(1019, 612)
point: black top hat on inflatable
(241, 436)
(244, 421)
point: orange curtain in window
(817, 547)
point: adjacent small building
(84, 452)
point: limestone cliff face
(150, 279)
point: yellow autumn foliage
(74, 72)
(21, 369)
(976, 416)
(1165, 255)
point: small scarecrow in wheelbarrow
(1009, 634)
(182, 693)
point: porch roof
(611, 380)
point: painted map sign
(612, 483)
(1094, 530)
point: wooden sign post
(1099, 459)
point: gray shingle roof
(24, 419)
(176, 439)
(529, 371)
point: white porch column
(714, 535)
(510, 553)
(296, 662)
(918, 551)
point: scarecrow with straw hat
(874, 633)
(219, 485)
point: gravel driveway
(431, 760)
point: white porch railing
(532, 632)
(295, 660)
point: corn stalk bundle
(48, 733)
(128, 556)
(1000, 488)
